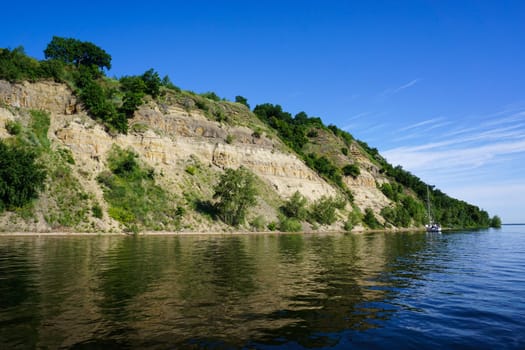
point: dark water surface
(460, 290)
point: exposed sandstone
(169, 136)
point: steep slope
(138, 153)
(188, 140)
(168, 137)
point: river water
(456, 290)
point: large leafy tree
(20, 176)
(235, 194)
(77, 52)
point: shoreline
(196, 233)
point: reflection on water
(208, 291)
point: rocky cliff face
(168, 136)
(53, 97)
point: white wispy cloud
(392, 91)
(477, 158)
(422, 123)
(468, 149)
(428, 157)
(406, 86)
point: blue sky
(436, 86)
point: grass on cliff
(134, 199)
(62, 203)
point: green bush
(97, 211)
(167, 83)
(211, 96)
(312, 133)
(325, 168)
(242, 100)
(289, 224)
(370, 219)
(152, 82)
(235, 194)
(133, 197)
(258, 223)
(397, 216)
(272, 226)
(40, 123)
(495, 222)
(21, 177)
(191, 169)
(323, 210)
(351, 170)
(295, 207)
(67, 155)
(13, 127)
(16, 66)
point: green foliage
(97, 211)
(392, 191)
(495, 222)
(16, 66)
(133, 197)
(292, 133)
(242, 100)
(68, 204)
(258, 223)
(40, 123)
(167, 83)
(235, 193)
(295, 132)
(415, 209)
(351, 170)
(323, 210)
(344, 151)
(132, 83)
(398, 216)
(354, 218)
(135, 88)
(295, 207)
(13, 127)
(289, 224)
(191, 169)
(211, 96)
(100, 107)
(325, 168)
(449, 212)
(21, 177)
(312, 133)
(229, 139)
(370, 219)
(152, 82)
(73, 51)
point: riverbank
(183, 233)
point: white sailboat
(431, 226)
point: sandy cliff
(167, 137)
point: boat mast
(428, 208)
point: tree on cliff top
(77, 52)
